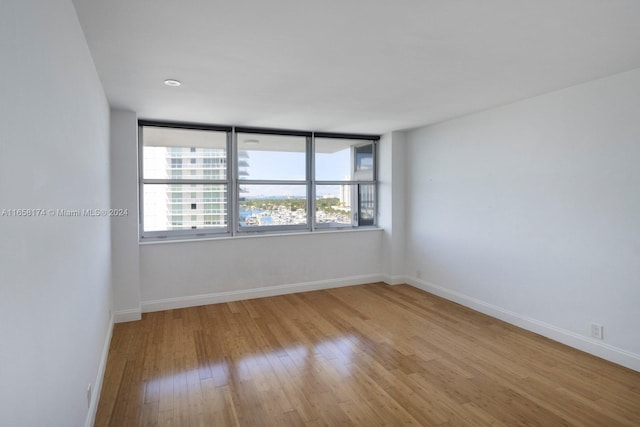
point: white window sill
(255, 235)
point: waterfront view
(266, 212)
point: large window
(276, 180)
(345, 181)
(184, 182)
(272, 185)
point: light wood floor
(363, 355)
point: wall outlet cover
(597, 331)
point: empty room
(287, 213)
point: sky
(291, 166)
(274, 165)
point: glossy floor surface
(367, 355)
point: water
(264, 220)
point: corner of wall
(130, 315)
(124, 230)
(93, 407)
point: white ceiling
(366, 66)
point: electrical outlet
(89, 395)
(419, 274)
(597, 331)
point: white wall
(55, 292)
(184, 274)
(391, 215)
(124, 229)
(531, 212)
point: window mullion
(140, 185)
(311, 177)
(234, 187)
(186, 181)
(375, 186)
(270, 182)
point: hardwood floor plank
(368, 355)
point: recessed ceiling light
(172, 82)
(251, 141)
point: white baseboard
(267, 291)
(395, 280)
(572, 339)
(97, 384)
(131, 315)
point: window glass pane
(364, 161)
(343, 159)
(170, 153)
(271, 157)
(366, 204)
(333, 205)
(173, 207)
(345, 205)
(272, 205)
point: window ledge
(256, 235)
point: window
(345, 182)
(276, 180)
(167, 193)
(272, 181)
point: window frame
(233, 183)
(238, 182)
(354, 183)
(187, 233)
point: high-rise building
(179, 206)
(195, 205)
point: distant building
(187, 206)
